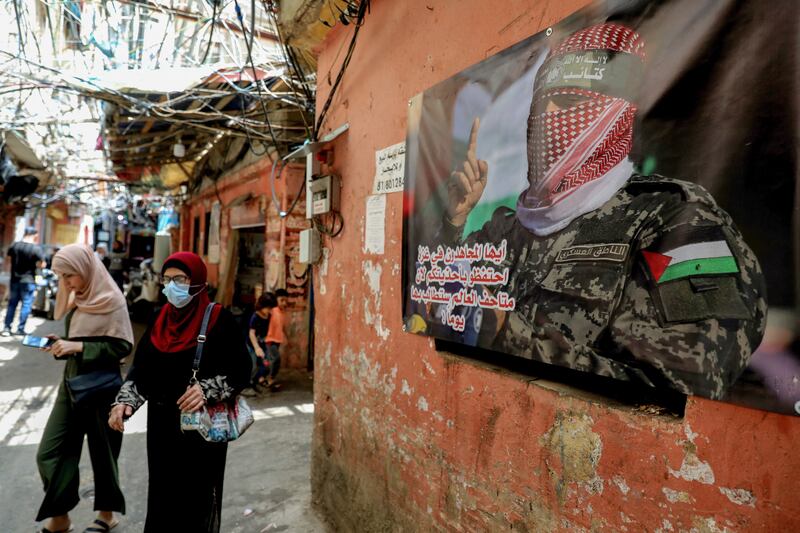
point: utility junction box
(322, 195)
(310, 246)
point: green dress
(60, 449)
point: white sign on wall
(390, 169)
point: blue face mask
(177, 295)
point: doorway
(249, 280)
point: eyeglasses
(179, 280)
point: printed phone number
(390, 184)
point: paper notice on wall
(374, 228)
(390, 169)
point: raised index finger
(473, 134)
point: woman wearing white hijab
(98, 336)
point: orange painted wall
(253, 182)
(410, 439)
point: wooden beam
(149, 123)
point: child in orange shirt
(257, 335)
(276, 335)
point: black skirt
(186, 474)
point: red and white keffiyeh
(572, 147)
(606, 36)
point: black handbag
(84, 387)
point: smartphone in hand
(37, 342)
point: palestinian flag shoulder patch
(698, 251)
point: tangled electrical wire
(282, 80)
(257, 81)
(331, 227)
(357, 12)
(191, 110)
(360, 14)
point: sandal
(100, 526)
(45, 530)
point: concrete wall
(246, 193)
(411, 439)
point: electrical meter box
(322, 195)
(309, 246)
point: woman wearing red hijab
(185, 472)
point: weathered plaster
(739, 496)
(372, 302)
(489, 450)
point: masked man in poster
(640, 278)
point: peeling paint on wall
(577, 449)
(707, 525)
(422, 403)
(323, 270)
(677, 496)
(368, 423)
(666, 525)
(693, 469)
(349, 302)
(739, 496)
(366, 375)
(619, 481)
(373, 273)
(326, 356)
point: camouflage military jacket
(588, 298)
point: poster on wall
(614, 195)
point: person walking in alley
(276, 335)
(26, 256)
(98, 336)
(186, 472)
(257, 335)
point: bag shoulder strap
(201, 340)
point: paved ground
(267, 478)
